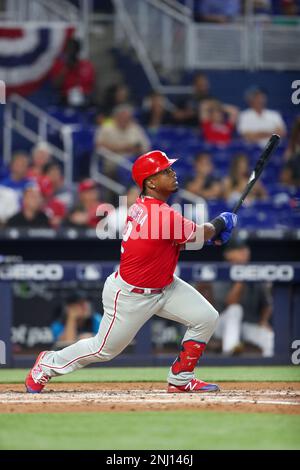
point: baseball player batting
(145, 284)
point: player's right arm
(217, 231)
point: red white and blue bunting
(28, 54)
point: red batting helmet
(149, 164)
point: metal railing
(217, 46)
(105, 180)
(251, 45)
(42, 10)
(278, 46)
(36, 125)
(17, 111)
(153, 29)
(185, 9)
(167, 41)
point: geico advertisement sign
(266, 272)
(32, 272)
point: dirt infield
(272, 397)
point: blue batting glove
(230, 220)
(223, 237)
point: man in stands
(31, 214)
(41, 156)
(122, 136)
(53, 185)
(257, 123)
(78, 320)
(17, 178)
(87, 204)
(187, 111)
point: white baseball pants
(125, 313)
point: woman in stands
(235, 183)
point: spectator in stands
(293, 145)
(155, 112)
(217, 122)
(53, 185)
(74, 77)
(9, 204)
(88, 200)
(289, 176)
(245, 307)
(292, 153)
(31, 214)
(205, 183)
(78, 218)
(235, 183)
(187, 112)
(40, 157)
(123, 136)
(78, 320)
(114, 96)
(57, 195)
(257, 123)
(216, 11)
(17, 178)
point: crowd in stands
(33, 190)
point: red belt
(137, 290)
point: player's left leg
(186, 305)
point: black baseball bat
(260, 165)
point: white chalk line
(141, 398)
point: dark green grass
(150, 430)
(159, 374)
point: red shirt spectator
(217, 122)
(81, 74)
(89, 200)
(217, 133)
(73, 77)
(55, 211)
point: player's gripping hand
(230, 220)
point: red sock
(190, 353)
